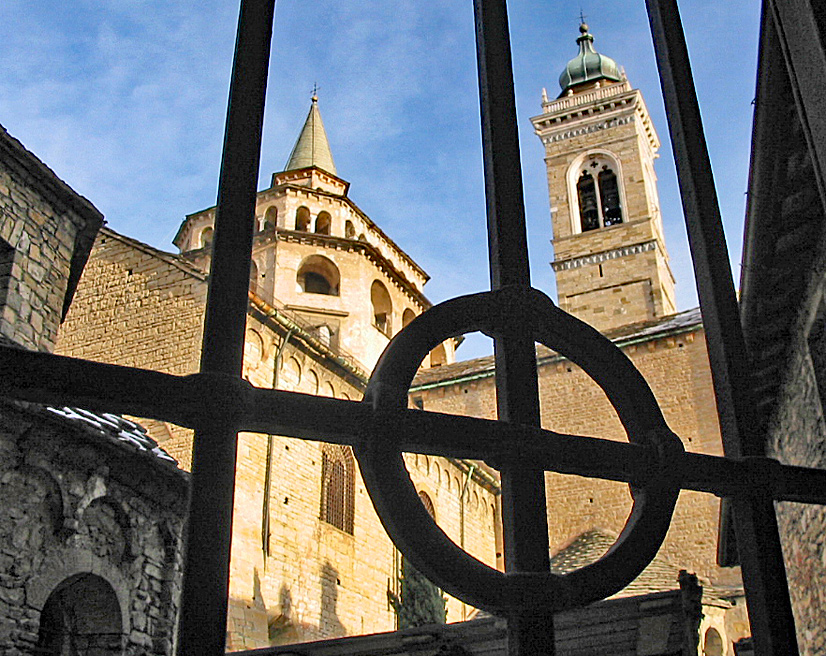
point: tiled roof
(116, 429)
(588, 547)
(484, 366)
(113, 428)
(659, 576)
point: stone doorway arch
(81, 617)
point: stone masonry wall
(676, 367)
(306, 579)
(797, 436)
(37, 238)
(77, 510)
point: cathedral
(328, 289)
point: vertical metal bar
(758, 539)
(523, 487)
(203, 622)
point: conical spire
(312, 147)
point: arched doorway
(81, 617)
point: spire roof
(312, 147)
(588, 65)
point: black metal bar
(523, 487)
(198, 400)
(758, 538)
(203, 620)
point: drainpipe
(462, 520)
(265, 524)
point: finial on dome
(588, 65)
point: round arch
(382, 308)
(407, 317)
(323, 223)
(302, 219)
(270, 218)
(82, 615)
(318, 275)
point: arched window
(407, 317)
(206, 237)
(349, 230)
(338, 474)
(318, 275)
(322, 223)
(438, 356)
(270, 218)
(253, 277)
(382, 308)
(713, 643)
(81, 616)
(427, 502)
(302, 219)
(598, 194)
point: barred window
(338, 475)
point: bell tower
(610, 260)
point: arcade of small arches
(595, 192)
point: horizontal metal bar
(199, 400)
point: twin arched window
(338, 484)
(598, 195)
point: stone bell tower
(610, 260)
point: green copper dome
(588, 65)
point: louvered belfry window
(338, 486)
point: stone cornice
(604, 256)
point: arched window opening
(270, 218)
(382, 308)
(318, 275)
(104, 529)
(609, 194)
(427, 502)
(312, 382)
(81, 616)
(407, 317)
(713, 643)
(588, 208)
(598, 194)
(323, 222)
(362, 238)
(349, 230)
(253, 277)
(338, 475)
(302, 219)
(438, 356)
(206, 237)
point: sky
(126, 99)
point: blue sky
(125, 100)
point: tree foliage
(419, 601)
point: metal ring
(426, 545)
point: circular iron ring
(426, 545)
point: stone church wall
(38, 233)
(676, 368)
(305, 579)
(797, 434)
(92, 519)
